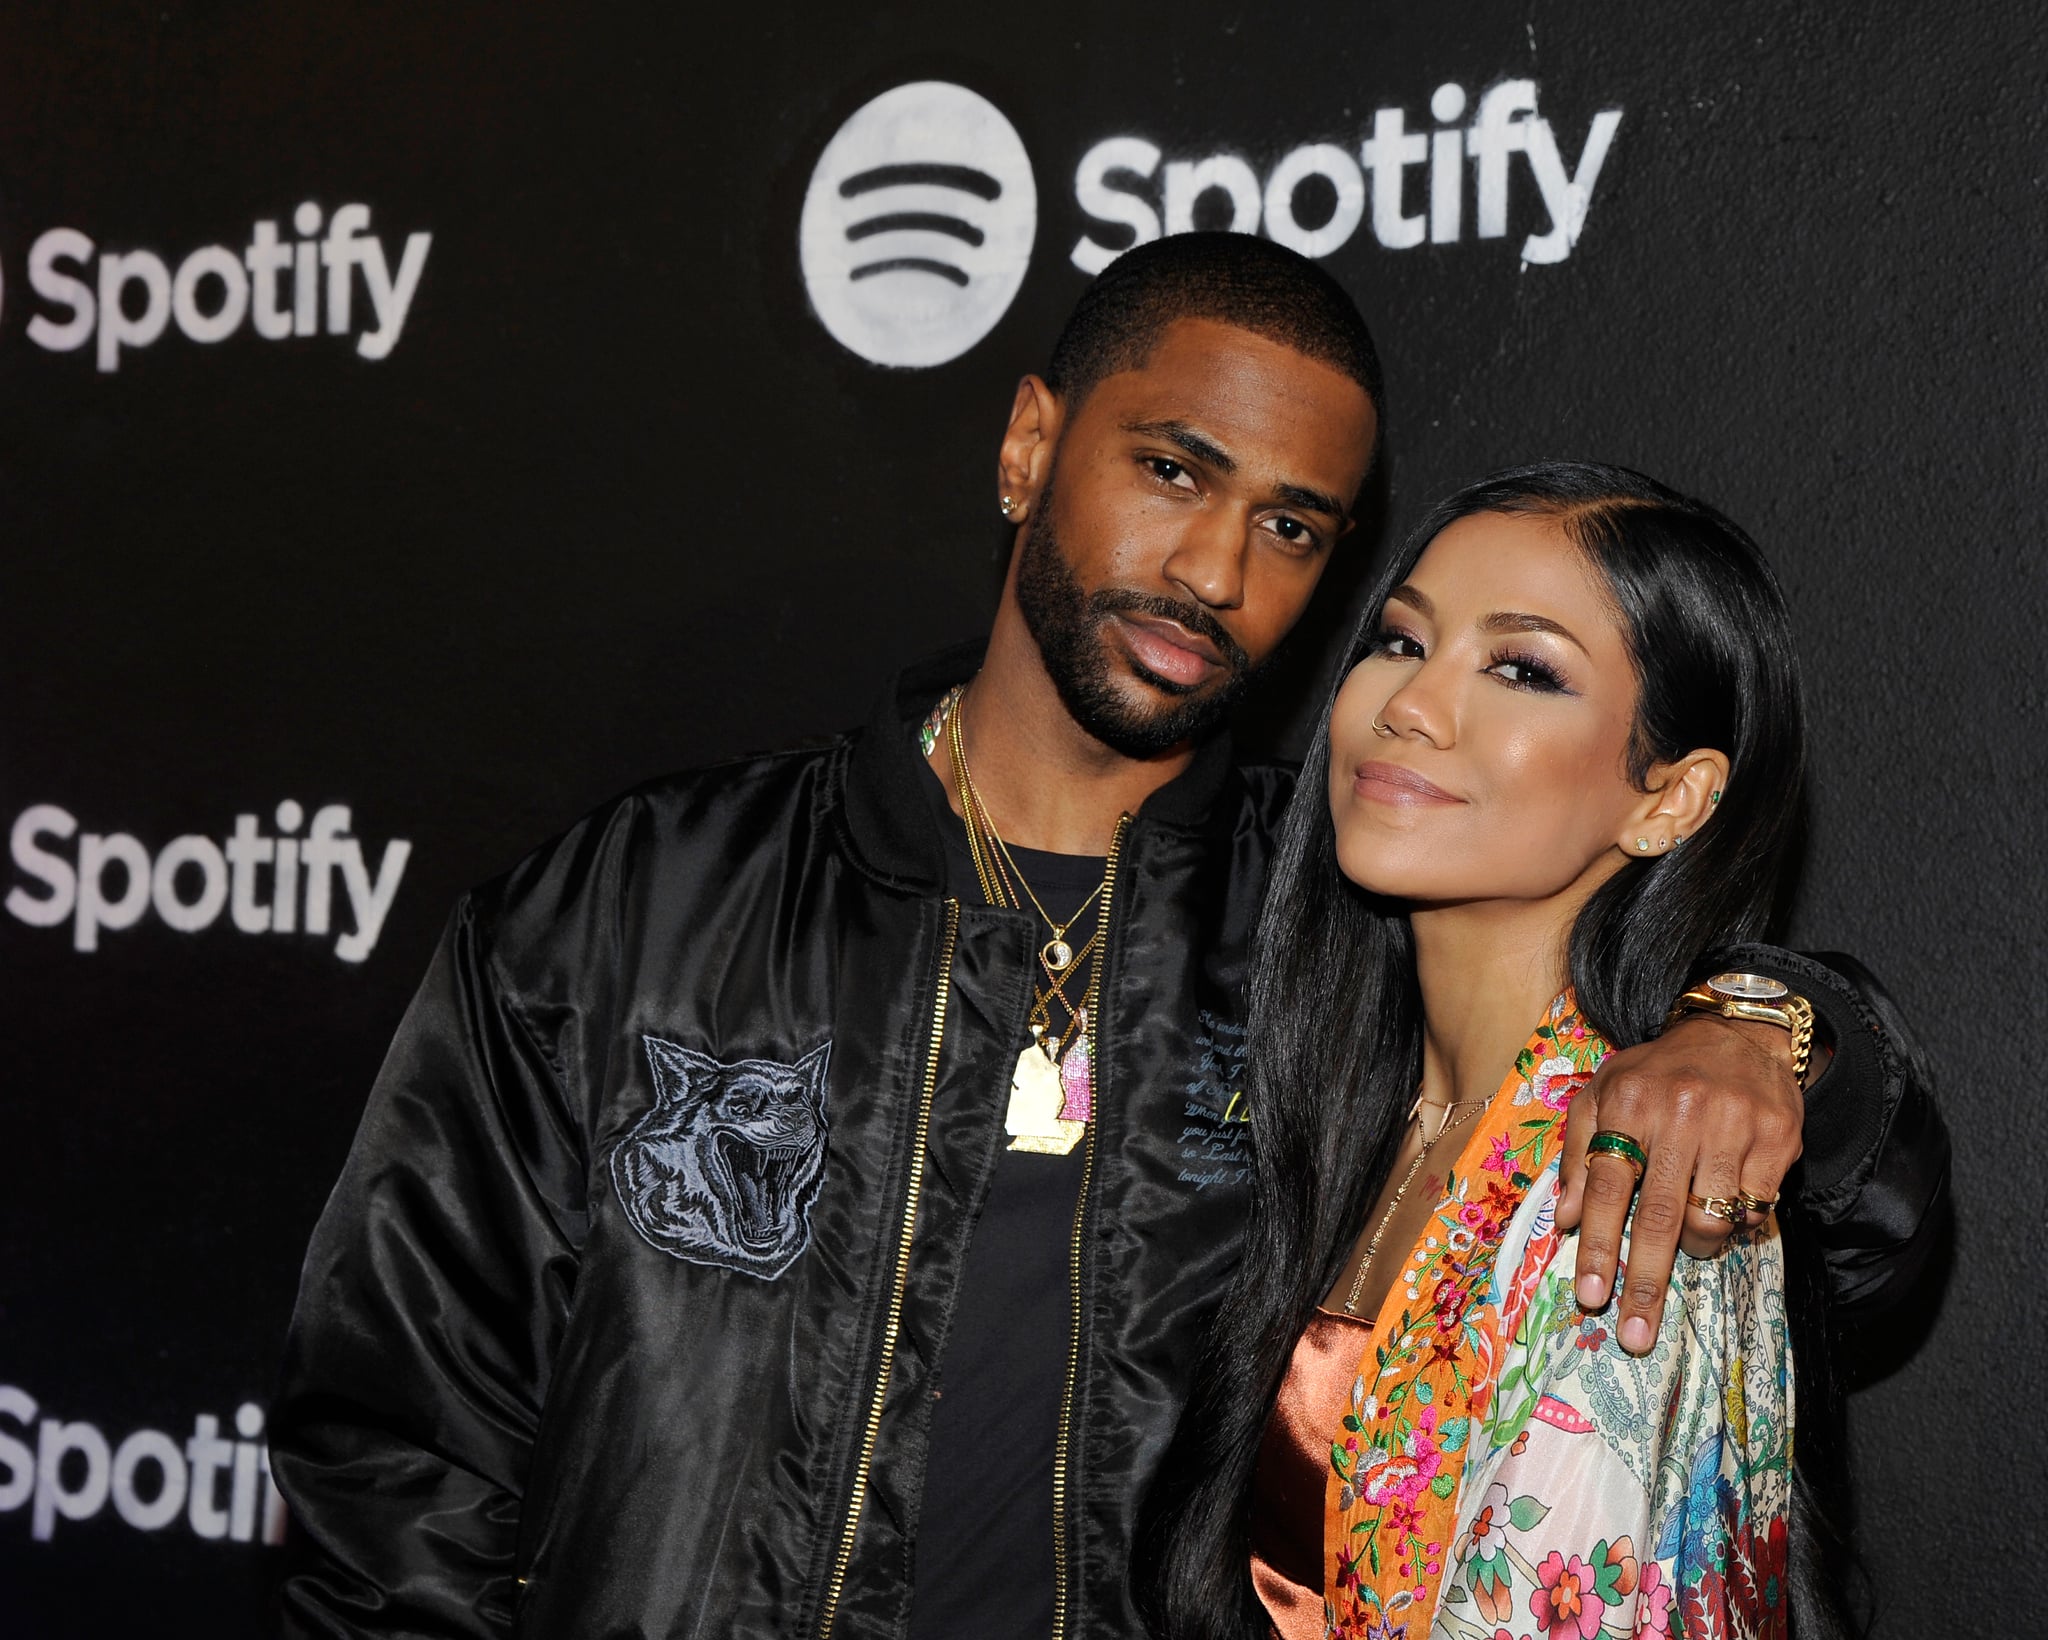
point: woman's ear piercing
(1643, 844)
(1714, 797)
(1009, 505)
(1663, 842)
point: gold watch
(1762, 999)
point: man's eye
(1169, 471)
(1294, 532)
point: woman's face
(1502, 684)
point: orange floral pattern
(1504, 1465)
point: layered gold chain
(1003, 883)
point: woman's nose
(1423, 707)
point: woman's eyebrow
(1518, 621)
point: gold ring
(1610, 1142)
(1755, 1204)
(1729, 1208)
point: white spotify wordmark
(918, 224)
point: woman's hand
(1713, 1103)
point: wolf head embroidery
(724, 1168)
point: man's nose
(1207, 560)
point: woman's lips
(1390, 783)
(1169, 651)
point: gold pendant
(1033, 1120)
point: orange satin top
(1293, 1473)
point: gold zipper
(829, 1611)
(1061, 1578)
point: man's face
(1197, 502)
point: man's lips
(1404, 788)
(1169, 649)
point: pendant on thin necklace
(1057, 955)
(1077, 1078)
(1035, 1121)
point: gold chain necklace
(1052, 1090)
(1429, 1143)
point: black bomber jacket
(603, 1331)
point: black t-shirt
(984, 1553)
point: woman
(1565, 757)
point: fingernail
(1592, 1292)
(1635, 1335)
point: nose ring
(1383, 730)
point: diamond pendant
(1034, 1120)
(1077, 1080)
(1057, 955)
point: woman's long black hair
(1335, 1016)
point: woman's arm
(1646, 1493)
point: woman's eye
(1527, 672)
(1397, 644)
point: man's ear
(1025, 460)
(1680, 800)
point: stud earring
(1663, 842)
(1643, 845)
(1009, 505)
(1714, 797)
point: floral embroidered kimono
(1505, 1471)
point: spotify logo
(918, 224)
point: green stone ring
(1607, 1142)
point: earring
(1714, 797)
(1663, 842)
(1009, 504)
(1643, 845)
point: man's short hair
(1232, 278)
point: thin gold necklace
(1429, 1143)
(1052, 1089)
(1000, 878)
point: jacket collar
(889, 824)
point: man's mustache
(1117, 601)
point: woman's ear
(1025, 460)
(1681, 799)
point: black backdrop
(615, 500)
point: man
(791, 1204)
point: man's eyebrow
(1296, 495)
(1518, 621)
(1198, 445)
(1213, 455)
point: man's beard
(1068, 626)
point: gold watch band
(1790, 1013)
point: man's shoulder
(667, 833)
(1268, 787)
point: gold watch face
(1748, 987)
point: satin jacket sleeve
(433, 1296)
(1873, 1177)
